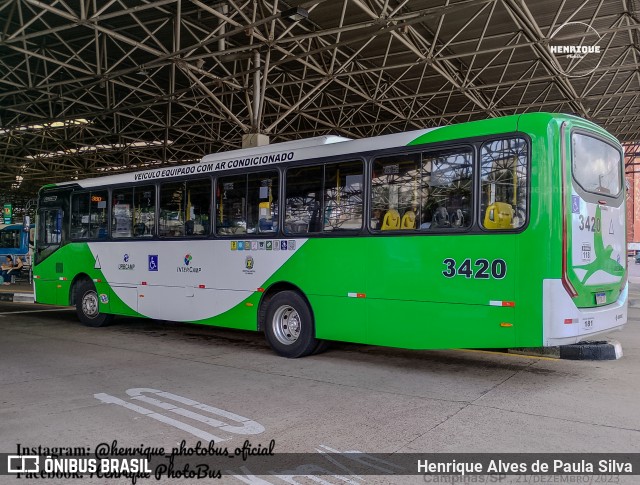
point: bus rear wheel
(289, 325)
(88, 306)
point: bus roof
(263, 156)
(276, 147)
(306, 149)
(10, 227)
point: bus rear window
(596, 165)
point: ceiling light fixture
(295, 14)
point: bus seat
(408, 220)
(265, 225)
(391, 220)
(498, 215)
(457, 218)
(440, 218)
(139, 229)
(189, 227)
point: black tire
(88, 306)
(323, 346)
(289, 325)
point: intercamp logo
(23, 464)
(576, 59)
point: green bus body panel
(492, 126)
(392, 290)
(415, 308)
(408, 301)
(74, 259)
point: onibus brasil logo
(576, 48)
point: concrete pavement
(63, 384)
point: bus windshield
(596, 165)
(10, 238)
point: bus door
(51, 234)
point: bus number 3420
(482, 269)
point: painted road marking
(246, 426)
(324, 475)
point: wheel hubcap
(286, 324)
(90, 304)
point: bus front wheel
(88, 306)
(289, 325)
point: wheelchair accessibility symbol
(153, 262)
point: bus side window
(504, 184)
(98, 214)
(446, 205)
(121, 213)
(80, 215)
(231, 197)
(144, 211)
(396, 192)
(184, 208)
(247, 204)
(343, 191)
(262, 201)
(10, 239)
(304, 200)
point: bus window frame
(367, 159)
(479, 216)
(585, 194)
(213, 230)
(322, 162)
(110, 189)
(450, 145)
(172, 180)
(18, 237)
(89, 191)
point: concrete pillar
(251, 140)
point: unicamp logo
(126, 265)
(187, 267)
(576, 47)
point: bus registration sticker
(601, 298)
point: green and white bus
(507, 232)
